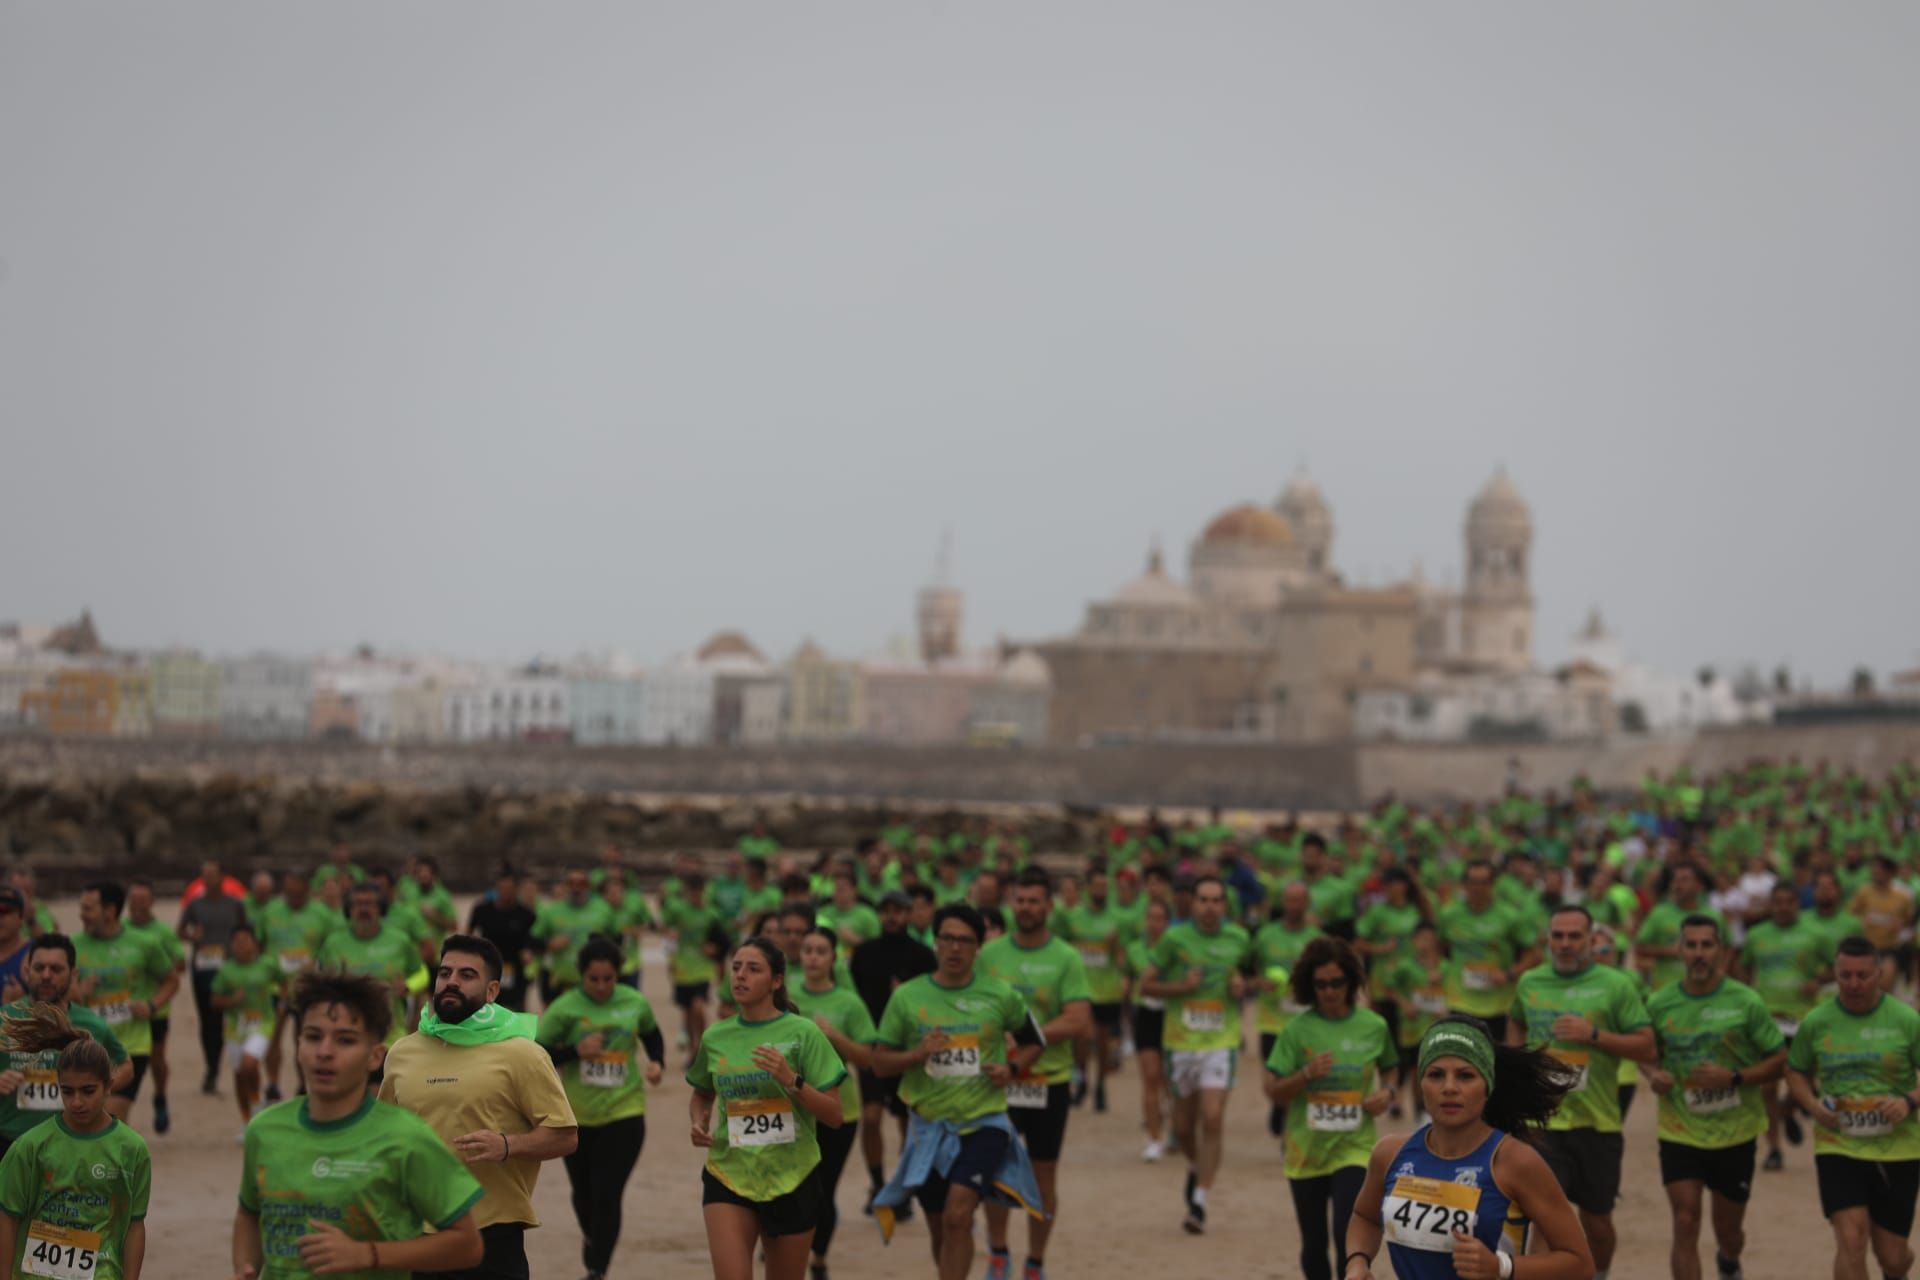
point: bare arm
(246, 1245)
(1637, 1045)
(327, 1250)
(824, 1107)
(1710, 1075)
(9, 1234)
(1284, 1089)
(1074, 1022)
(700, 1118)
(850, 1051)
(166, 989)
(1364, 1233)
(1800, 1085)
(1520, 1171)
(133, 1253)
(485, 1146)
(1154, 985)
(121, 1075)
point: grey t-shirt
(217, 916)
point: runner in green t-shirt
(422, 889)
(246, 989)
(336, 1180)
(1783, 959)
(1852, 1068)
(594, 1033)
(1418, 988)
(848, 1025)
(1200, 968)
(563, 925)
(120, 976)
(945, 1033)
(73, 1194)
(1094, 926)
(141, 920)
(1277, 945)
(697, 942)
(292, 927)
(1490, 948)
(1334, 1068)
(29, 1082)
(366, 946)
(1050, 976)
(1832, 921)
(1720, 1054)
(763, 1082)
(1656, 947)
(1589, 1016)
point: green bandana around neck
(489, 1024)
(1443, 1040)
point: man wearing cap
(877, 966)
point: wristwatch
(799, 1082)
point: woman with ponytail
(73, 1194)
(776, 1078)
(1441, 1199)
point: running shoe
(162, 1120)
(1033, 1271)
(1196, 1223)
(1773, 1163)
(1729, 1269)
(1186, 1196)
(1791, 1123)
(1152, 1152)
(999, 1264)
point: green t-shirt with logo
(561, 918)
(1327, 1128)
(1833, 930)
(387, 955)
(1384, 922)
(846, 1013)
(1208, 1017)
(123, 968)
(256, 984)
(433, 902)
(1485, 945)
(1049, 977)
(1661, 928)
(378, 1174)
(858, 921)
(1855, 1056)
(763, 1141)
(37, 1098)
(976, 1020)
(1330, 898)
(292, 935)
(1094, 932)
(1605, 997)
(1421, 995)
(608, 1086)
(1278, 947)
(55, 1183)
(1782, 962)
(169, 942)
(1728, 1027)
(692, 927)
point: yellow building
(89, 702)
(824, 697)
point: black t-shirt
(508, 928)
(883, 963)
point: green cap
(1453, 1039)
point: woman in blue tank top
(1441, 1200)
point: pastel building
(265, 697)
(606, 709)
(825, 697)
(186, 693)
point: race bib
(1787, 1025)
(1706, 1102)
(1430, 1003)
(1026, 1091)
(39, 1090)
(960, 1058)
(1204, 1015)
(760, 1122)
(604, 1070)
(294, 960)
(1095, 956)
(63, 1253)
(1579, 1059)
(1483, 977)
(114, 1007)
(1338, 1112)
(1423, 1213)
(1859, 1118)
(207, 959)
(248, 1025)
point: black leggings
(1312, 1197)
(598, 1170)
(1276, 1112)
(835, 1144)
(213, 1032)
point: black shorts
(882, 1091)
(685, 993)
(132, 1089)
(982, 1152)
(1727, 1171)
(1149, 1026)
(1885, 1188)
(1586, 1163)
(1044, 1129)
(1106, 1016)
(787, 1215)
(160, 1026)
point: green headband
(1459, 1040)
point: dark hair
(821, 931)
(473, 945)
(139, 882)
(1855, 945)
(1320, 952)
(1573, 908)
(54, 942)
(112, 894)
(1207, 878)
(1672, 869)
(45, 1027)
(1313, 840)
(804, 910)
(243, 926)
(506, 871)
(1528, 1084)
(1700, 920)
(1034, 878)
(427, 860)
(692, 882)
(598, 947)
(756, 866)
(920, 892)
(366, 996)
(776, 964)
(966, 915)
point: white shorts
(254, 1046)
(1191, 1070)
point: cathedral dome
(1499, 509)
(1248, 525)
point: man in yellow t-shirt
(475, 1074)
(1886, 917)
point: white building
(1656, 702)
(265, 697)
(1572, 703)
(516, 706)
(606, 709)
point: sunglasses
(1331, 984)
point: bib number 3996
(1204, 1016)
(1423, 1213)
(61, 1253)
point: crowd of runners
(1500, 980)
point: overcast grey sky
(506, 329)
